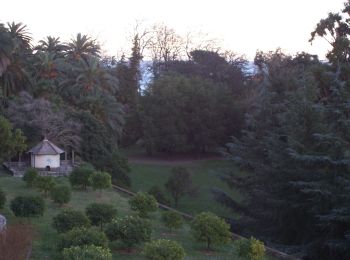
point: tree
(172, 220)
(29, 176)
(80, 176)
(143, 203)
(251, 249)
(27, 206)
(100, 180)
(12, 141)
(82, 237)
(67, 220)
(83, 47)
(90, 252)
(100, 213)
(119, 169)
(159, 195)
(44, 184)
(209, 228)
(130, 230)
(179, 184)
(163, 249)
(61, 194)
(2, 198)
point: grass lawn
(205, 177)
(46, 237)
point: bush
(61, 194)
(100, 213)
(163, 249)
(129, 230)
(159, 195)
(89, 252)
(69, 219)
(252, 249)
(2, 199)
(143, 203)
(81, 237)
(28, 206)
(119, 169)
(80, 176)
(100, 180)
(30, 176)
(209, 228)
(44, 183)
(172, 220)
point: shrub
(129, 230)
(143, 203)
(81, 237)
(172, 220)
(119, 169)
(163, 249)
(100, 213)
(44, 183)
(159, 195)
(28, 206)
(80, 176)
(30, 176)
(2, 199)
(61, 194)
(100, 180)
(252, 249)
(19, 237)
(90, 252)
(69, 219)
(209, 228)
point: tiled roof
(45, 147)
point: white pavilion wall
(41, 161)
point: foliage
(163, 249)
(67, 220)
(100, 180)
(251, 249)
(2, 198)
(80, 176)
(209, 228)
(172, 220)
(61, 194)
(44, 183)
(194, 103)
(119, 168)
(27, 206)
(82, 237)
(130, 230)
(159, 195)
(19, 237)
(12, 141)
(90, 252)
(29, 176)
(100, 213)
(143, 203)
(179, 184)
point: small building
(45, 155)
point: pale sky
(243, 25)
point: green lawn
(205, 177)
(45, 243)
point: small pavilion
(45, 155)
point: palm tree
(52, 45)
(16, 76)
(6, 48)
(82, 47)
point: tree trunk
(208, 243)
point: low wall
(269, 250)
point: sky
(242, 26)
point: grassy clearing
(46, 237)
(205, 177)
